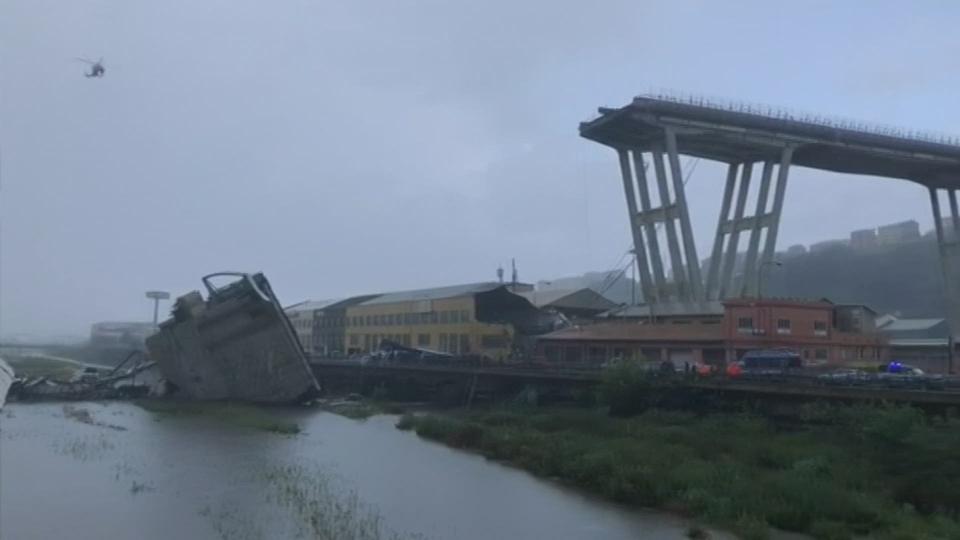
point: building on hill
(482, 319)
(795, 250)
(808, 327)
(898, 233)
(863, 239)
(578, 304)
(829, 245)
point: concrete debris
(6, 380)
(236, 345)
(113, 385)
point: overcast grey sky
(354, 147)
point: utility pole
(157, 296)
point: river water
(133, 474)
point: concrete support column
(730, 257)
(639, 248)
(660, 279)
(955, 221)
(713, 273)
(689, 247)
(949, 265)
(673, 246)
(769, 251)
(750, 265)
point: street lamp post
(157, 296)
(760, 275)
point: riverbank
(227, 478)
(840, 473)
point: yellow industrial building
(475, 319)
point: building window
(354, 339)
(745, 325)
(368, 320)
(464, 343)
(551, 352)
(443, 342)
(444, 317)
(820, 328)
(573, 354)
(681, 321)
(406, 340)
(464, 316)
(423, 340)
(783, 326)
(598, 354)
(454, 317)
(820, 354)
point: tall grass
(858, 471)
(322, 512)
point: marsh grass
(858, 472)
(322, 512)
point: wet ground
(117, 471)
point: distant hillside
(903, 278)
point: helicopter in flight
(96, 68)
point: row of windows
(302, 325)
(576, 353)
(398, 319)
(784, 326)
(452, 343)
(331, 322)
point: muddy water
(133, 474)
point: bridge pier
(948, 244)
(689, 286)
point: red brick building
(822, 333)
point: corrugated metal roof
(666, 310)
(638, 332)
(352, 301)
(310, 305)
(901, 325)
(583, 298)
(435, 293)
(919, 342)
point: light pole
(761, 274)
(157, 296)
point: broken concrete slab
(236, 345)
(6, 380)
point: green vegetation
(41, 366)
(237, 414)
(322, 511)
(884, 472)
(360, 410)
